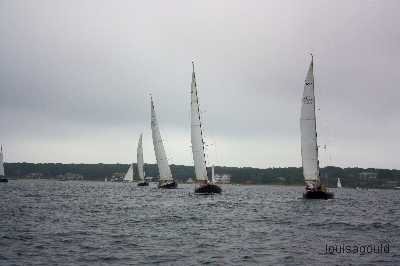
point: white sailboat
(213, 174)
(202, 184)
(309, 147)
(140, 163)
(2, 174)
(339, 184)
(166, 180)
(129, 174)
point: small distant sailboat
(213, 174)
(309, 148)
(339, 184)
(129, 174)
(166, 179)
(3, 179)
(203, 186)
(140, 163)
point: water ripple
(85, 223)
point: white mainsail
(309, 148)
(129, 174)
(140, 160)
(161, 157)
(1, 162)
(339, 184)
(197, 134)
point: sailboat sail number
(307, 100)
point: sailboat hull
(318, 194)
(168, 185)
(3, 180)
(143, 184)
(208, 189)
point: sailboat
(309, 148)
(3, 179)
(202, 184)
(339, 184)
(129, 174)
(140, 162)
(166, 179)
(213, 174)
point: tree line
(350, 177)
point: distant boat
(128, 177)
(140, 163)
(339, 184)
(213, 174)
(166, 179)
(3, 179)
(309, 148)
(203, 186)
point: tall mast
(308, 125)
(198, 110)
(197, 140)
(315, 121)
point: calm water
(95, 223)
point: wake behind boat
(202, 186)
(3, 179)
(309, 148)
(166, 179)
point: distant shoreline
(283, 176)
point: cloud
(75, 79)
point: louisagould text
(357, 249)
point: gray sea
(46, 222)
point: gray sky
(75, 78)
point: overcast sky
(75, 78)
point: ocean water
(46, 222)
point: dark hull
(143, 184)
(3, 180)
(208, 189)
(168, 185)
(318, 195)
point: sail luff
(309, 147)
(140, 160)
(1, 162)
(161, 157)
(197, 134)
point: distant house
(69, 176)
(222, 179)
(281, 178)
(34, 176)
(368, 175)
